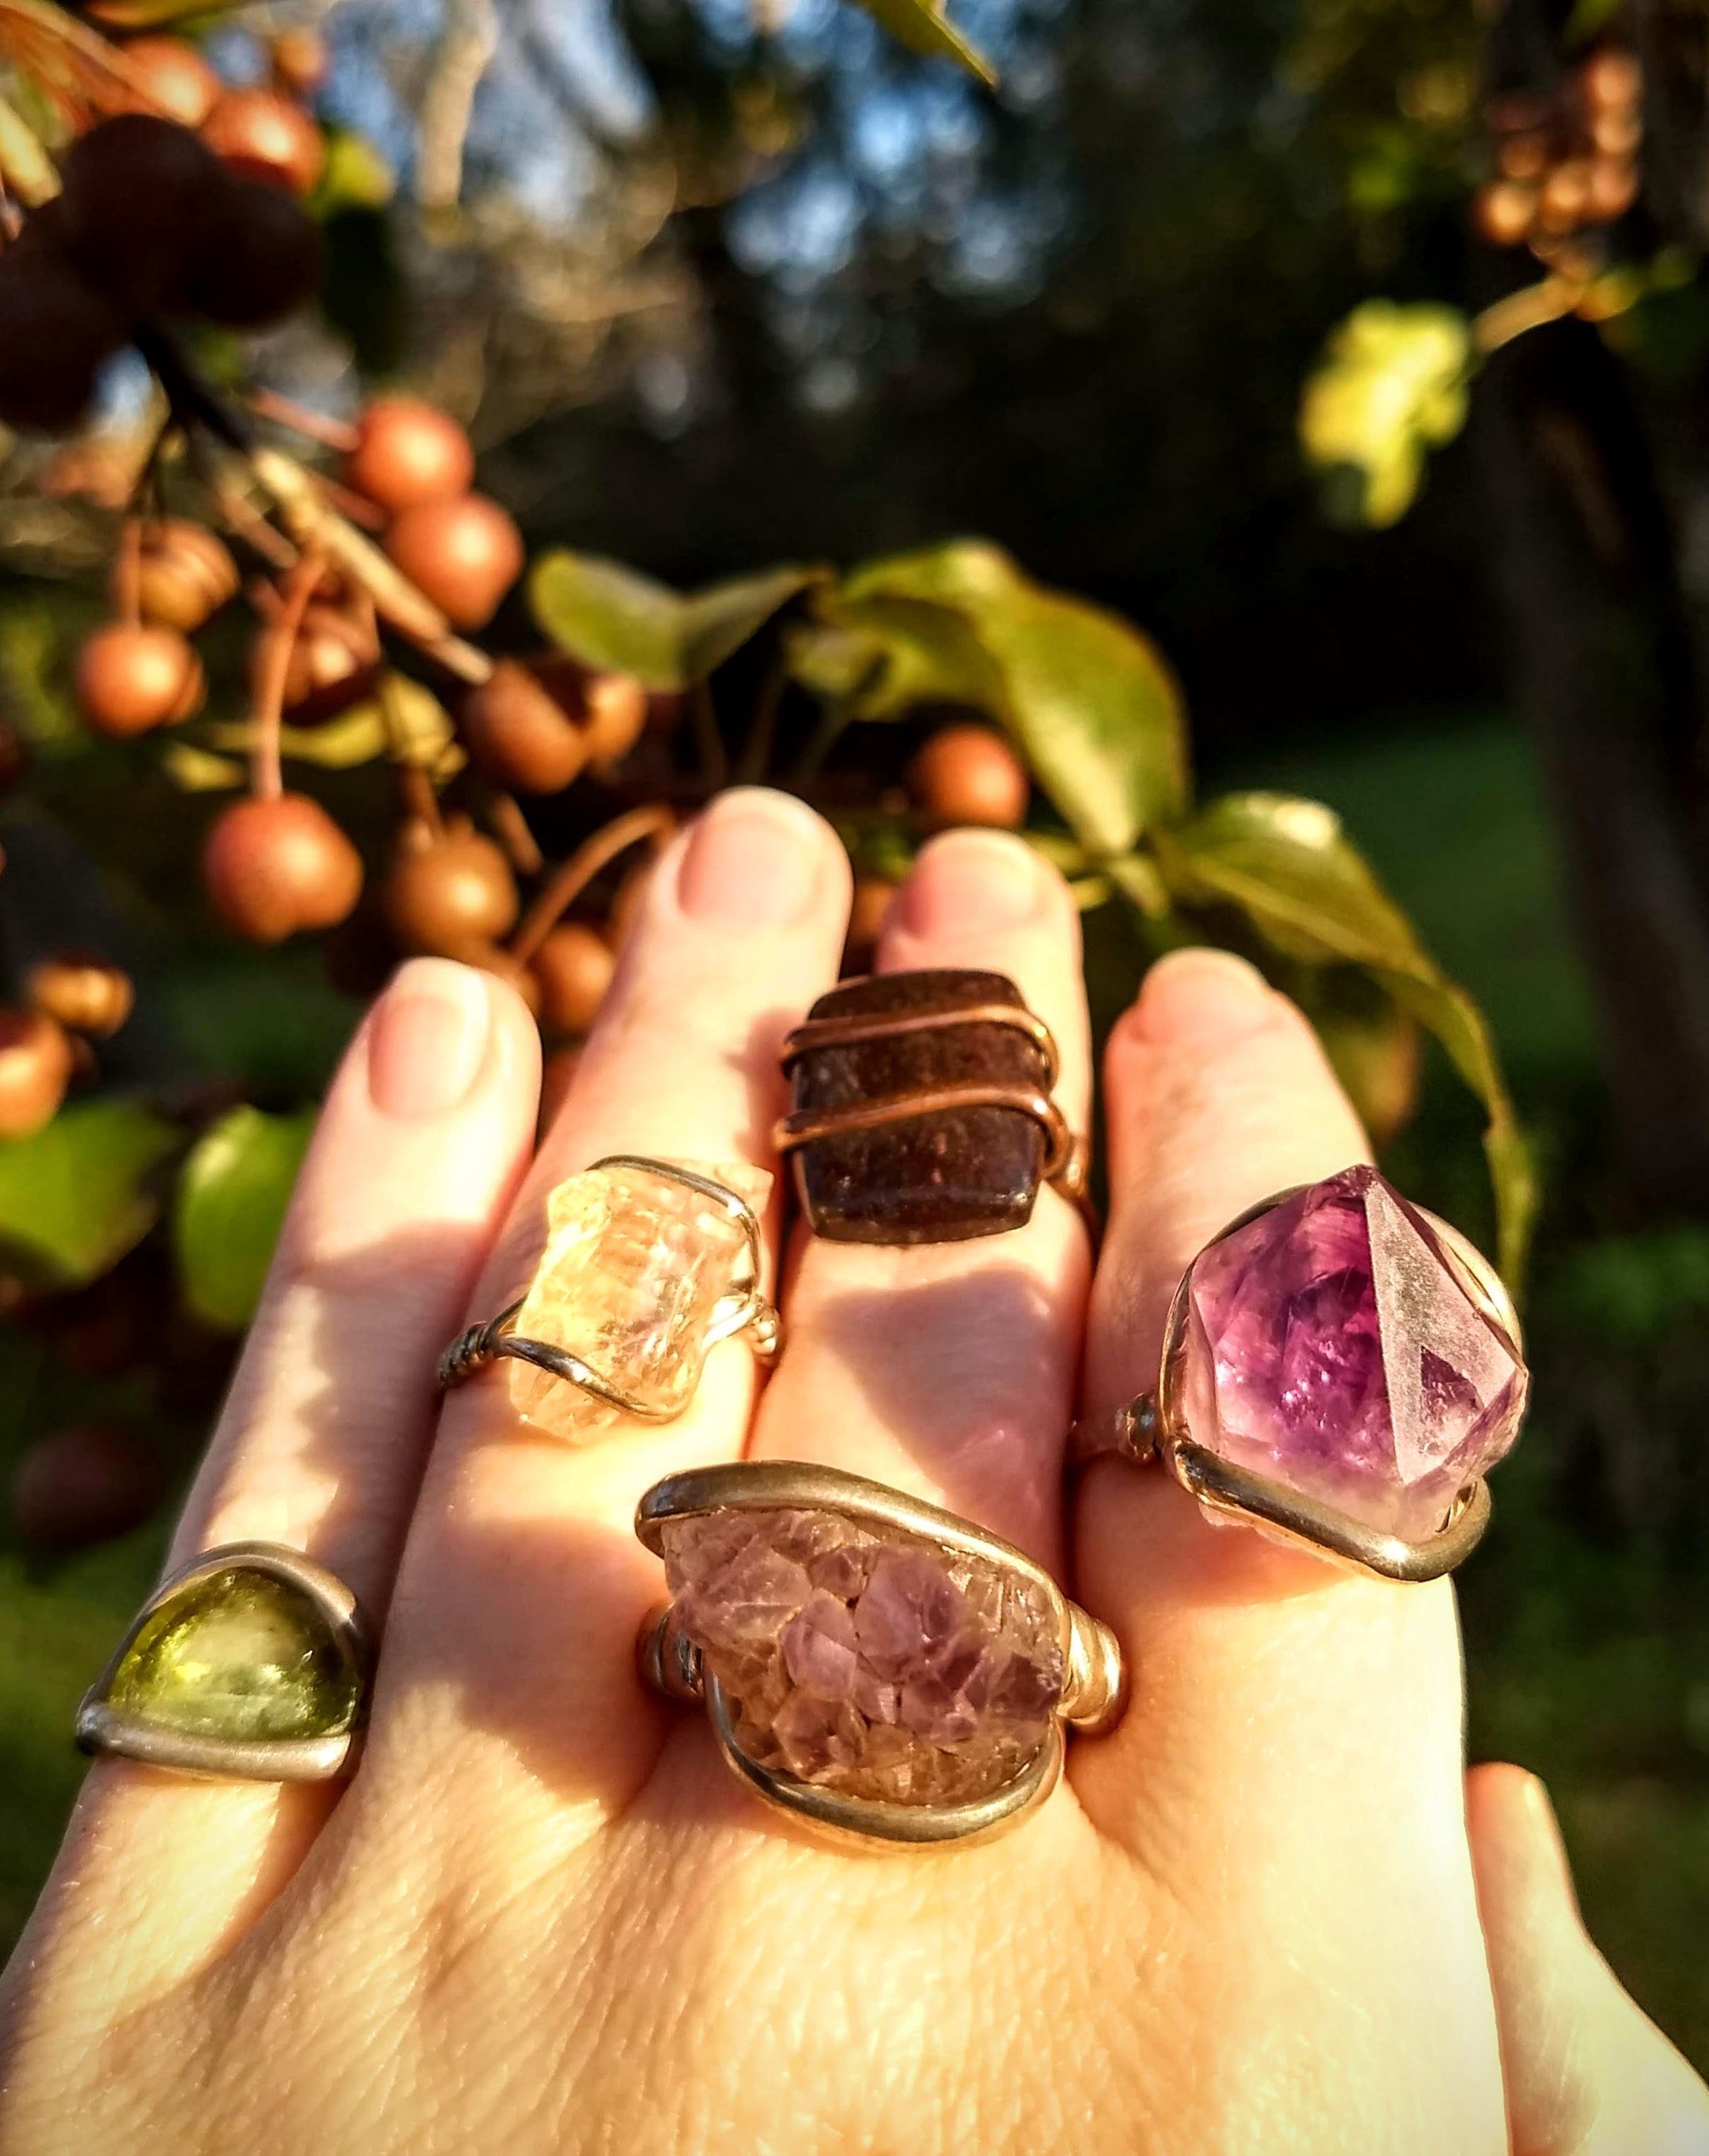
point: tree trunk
(1584, 564)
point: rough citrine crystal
(634, 1265)
(239, 1653)
(1332, 1348)
(868, 1661)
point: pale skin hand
(545, 1919)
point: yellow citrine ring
(647, 1265)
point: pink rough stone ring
(1340, 1369)
(877, 1667)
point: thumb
(1587, 2073)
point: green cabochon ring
(249, 1663)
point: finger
(320, 1445)
(947, 1369)
(1587, 2073)
(1289, 1766)
(510, 1651)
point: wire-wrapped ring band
(745, 1309)
(1066, 1164)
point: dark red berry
(139, 192)
(56, 330)
(86, 1484)
(260, 260)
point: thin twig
(510, 827)
(565, 886)
(266, 778)
(312, 521)
(127, 572)
(314, 426)
(1527, 308)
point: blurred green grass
(1588, 1654)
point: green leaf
(1087, 696)
(1287, 866)
(926, 29)
(230, 1208)
(76, 1196)
(418, 730)
(616, 619)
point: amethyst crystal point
(854, 1659)
(1331, 1347)
(938, 1178)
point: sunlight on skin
(545, 1916)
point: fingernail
(970, 881)
(1203, 994)
(428, 1037)
(753, 861)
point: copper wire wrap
(1067, 1161)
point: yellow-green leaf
(80, 1192)
(197, 771)
(1288, 867)
(230, 1205)
(1391, 386)
(925, 28)
(1087, 697)
(618, 620)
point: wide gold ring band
(1092, 1692)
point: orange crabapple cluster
(1568, 162)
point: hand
(544, 1918)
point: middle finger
(948, 1370)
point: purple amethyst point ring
(1340, 1370)
(882, 1670)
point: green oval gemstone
(241, 1654)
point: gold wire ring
(1094, 1687)
(1154, 1426)
(743, 1309)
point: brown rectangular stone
(938, 1178)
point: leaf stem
(827, 732)
(709, 742)
(653, 823)
(763, 730)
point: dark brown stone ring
(922, 1110)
